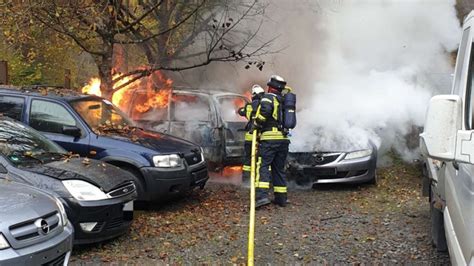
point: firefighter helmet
(277, 82)
(257, 89)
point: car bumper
(351, 171)
(109, 215)
(162, 183)
(55, 251)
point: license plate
(128, 206)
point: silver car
(340, 166)
(34, 229)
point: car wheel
(138, 181)
(374, 180)
(438, 236)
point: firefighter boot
(281, 199)
(262, 197)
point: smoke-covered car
(355, 165)
(162, 166)
(98, 197)
(206, 117)
(34, 229)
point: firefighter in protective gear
(273, 146)
(248, 111)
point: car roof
(52, 92)
(210, 92)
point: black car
(97, 197)
(162, 166)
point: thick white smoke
(384, 61)
(362, 70)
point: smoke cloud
(362, 70)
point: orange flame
(93, 87)
(155, 90)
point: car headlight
(167, 161)
(3, 242)
(62, 211)
(82, 190)
(202, 154)
(358, 154)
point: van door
(459, 188)
(233, 127)
(193, 118)
(50, 118)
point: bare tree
(173, 35)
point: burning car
(98, 198)
(161, 165)
(208, 118)
(350, 165)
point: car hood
(103, 175)
(19, 202)
(158, 142)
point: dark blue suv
(163, 165)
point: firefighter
(273, 144)
(248, 111)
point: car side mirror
(443, 121)
(72, 131)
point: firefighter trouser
(273, 154)
(247, 160)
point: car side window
(12, 106)
(469, 117)
(50, 117)
(460, 61)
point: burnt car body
(163, 166)
(34, 229)
(342, 166)
(97, 196)
(206, 117)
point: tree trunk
(105, 66)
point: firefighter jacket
(249, 111)
(268, 117)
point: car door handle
(455, 165)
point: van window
(229, 106)
(460, 61)
(150, 113)
(50, 117)
(12, 106)
(187, 107)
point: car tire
(374, 180)
(138, 181)
(438, 235)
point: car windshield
(229, 106)
(101, 114)
(23, 145)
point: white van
(448, 142)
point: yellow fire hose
(250, 260)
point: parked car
(355, 165)
(448, 143)
(98, 197)
(34, 229)
(206, 117)
(162, 166)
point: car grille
(193, 158)
(324, 173)
(28, 230)
(117, 222)
(123, 190)
(317, 158)
(57, 261)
